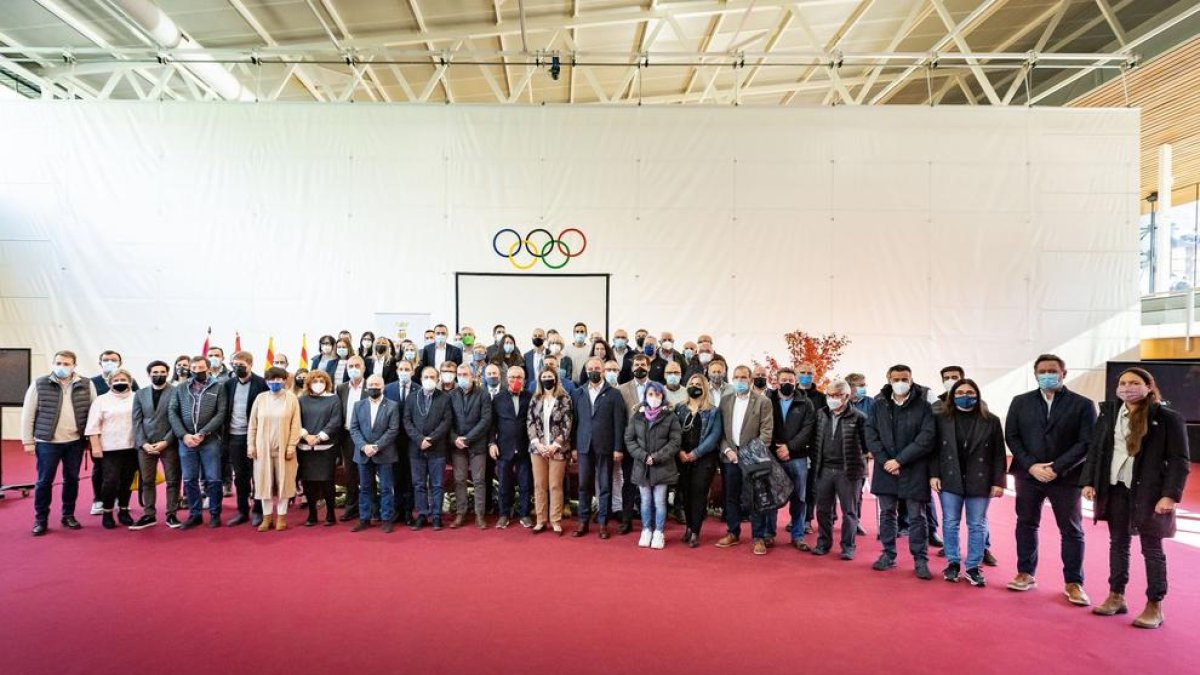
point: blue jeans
(49, 456)
(654, 506)
(952, 508)
(366, 491)
(204, 460)
(427, 473)
(797, 470)
(520, 468)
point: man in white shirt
(746, 415)
(350, 393)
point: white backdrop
(978, 236)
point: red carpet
(471, 601)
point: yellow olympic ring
(513, 249)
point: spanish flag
(303, 351)
(237, 342)
(270, 352)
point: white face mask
(108, 367)
(949, 383)
(447, 378)
(834, 403)
(318, 388)
(428, 383)
(901, 388)
(705, 357)
(555, 348)
(667, 345)
(327, 349)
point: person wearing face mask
(650, 347)
(366, 344)
(555, 363)
(534, 357)
(718, 387)
(633, 392)
(241, 391)
(428, 337)
(381, 362)
(110, 432)
(373, 430)
(806, 375)
(860, 397)
(598, 349)
(506, 354)
(217, 370)
(622, 353)
(321, 426)
(408, 352)
(1136, 472)
(509, 447)
(967, 470)
(639, 338)
(578, 352)
(689, 353)
(472, 414)
(549, 425)
(612, 373)
(325, 359)
(492, 384)
(433, 355)
(198, 413)
(901, 434)
(466, 340)
(401, 391)
(497, 345)
(705, 354)
(744, 415)
(653, 440)
(794, 425)
(110, 361)
(477, 362)
(349, 394)
(673, 378)
(555, 350)
(840, 462)
(155, 442)
(701, 431)
(599, 431)
(343, 350)
(182, 369)
(447, 373)
(759, 382)
(1047, 431)
(274, 432)
(53, 419)
(427, 421)
(297, 381)
(950, 376)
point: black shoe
(39, 529)
(922, 570)
(173, 521)
(819, 551)
(360, 526)
(124, 518)
(582, 531)
(255, 519)
(311, 521)
(70, 523)
(951, 573)
(687, 535)
(192, 521)
(330, 520)
(388, 526)
(988, 558)
(437, 524)
(885, 562)
(107, 520)
(975, 577)
(239, 519)
(144, 522)
(941, 552)
(417, 524)
(625, 527)
(214, 522)
(694, 541)
(859, 531)
(348, 515)
(847, 555)
(935, 541)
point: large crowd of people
(648, 424)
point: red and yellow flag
(237, 342)
(303, 351)
(270, 352)
(207, 338)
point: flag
(207, 337)
(237, 342)
(303, 351)
(270, 352)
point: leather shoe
(625, 527)
(39, 529)
(239, 519)
(1151, 617)
(1022, 582)
(801, 546)
(437, 523)
(988, 558)
(727, 541)
(348, 515)
(687, 535)
(388, 526)
(361, 525)
(457, 522)
(819, 551)
(70, 523)
(1076, 595)
(760, 547)
(1113, 604)
(604, 531)
(417, 524)
(935, 541)
(694, 542)
(581, 532)
(256, 519)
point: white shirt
(375, 405)
(1121, 470)
(111, 418)
(740, 405)
(547, 407)
(1049, 401)
(594, 391)
(353, 394)
(439, 355)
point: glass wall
(1183, 219)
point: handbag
(766, 486)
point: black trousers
(1068, 513)
(351, 473)
(315, 490)
(97, 476)
(119, 468)
(1119, 516)
(404, 486)
(243, 475)
(810, 488)
(695, 479)
(593, 466)
(835, 484)
(629, 491)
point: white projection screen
(970, 235)
(522, 302)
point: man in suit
(510, 447)
(534, 357)
(718, 385)
(110, 361)
(154, 440)
(794, 422)
(746, 415)
(666, 353)
(349, 394)
(472, 412)
(622, 353)
(399, 391)
(1048, 431)
(599, 433)
(373, 430)
(432, 355)
(497, 347)
(427, 421)
(705, 354)
(240, 391)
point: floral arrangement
(823, 351)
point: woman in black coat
(652, 438)
(321, 429)
(967, 470)
(1137, 466)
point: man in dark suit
(399, 391)
(599, 433)
(350, 392)
(472, 411)
(622, 353)
(535, 358)
(432, 355)
(373, 430)
(510, 447)
(240, 391)
(794, 422)
(427, 421)
(154, 440)
(1048, 431)
(497, 347)
(746, 415)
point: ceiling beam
(959, 41)
(415, 8)
(834, 42)
(299, 73)
(918, 13)
(1111, 17)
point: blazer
(1160, 469)
(472, 419)
(759, 422)
(429, 353)
(630, 394)
(258, 385)
(510, 430)
(712, 430)
(798, 430)
(599, 429)
(382, 432)
(626, 361)
(432, 422)
(330, 366)
(389, 370)
(905, 433)
(561, 422)
(985, 462)
(150, 424)
(531, 372)
(1061, 438)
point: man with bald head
(373, 430)
(509, 446)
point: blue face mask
(673, 379)
(439, 339)
(805, 380)
(464, 383)
(619, 343)
(648, 350)
(404, 378)
(1049, 380)
(492, 381)
(965, 402)
(860, 392)
(741, 387)
(508, 348)
(214, 363)
(688, 353)
(410, 355)
(275, 387)
(611, 378)
(62, 372)
(479, 357)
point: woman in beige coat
(271, 440)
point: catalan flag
(270, 352)
(237, 342)
(303, 351)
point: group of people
(643, 420)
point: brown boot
(1113, 604)
(265, 525)
(1151, 617)
(1076, 595)
(280, 523)
(458, 521)
(760, 547)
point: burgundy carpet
(502, 601)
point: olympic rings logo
(554, 252)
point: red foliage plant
(823, 351)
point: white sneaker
(644, 542)
(97, 508)
(659, 540)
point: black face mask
(241, 371)
(595, 377)
(380, 349)
(787, 389)
(158, 380)
(121, 387)
(300, 381)
(760, 382)
(182, 372)
(201, 377)
(538, 342)
(374, 392)
(547, 384)
(695, 392)
(640, 373)
(641, 341)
